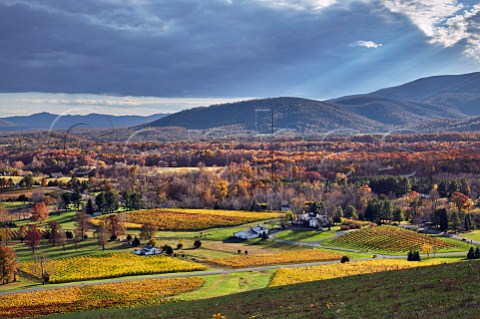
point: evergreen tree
(76, 198)
(398, 214)
(477, 253)
(455, 221)
(168, 250)
(409, 256)
(468, 224)
(350, 212)
(136, 242)
(337, 216)
(111, 201)
(90, 209)
(416, 255)
(471, 253)
(441, 218)
(100, 201)
(387, 210)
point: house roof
(248, 232)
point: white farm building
(253, 232)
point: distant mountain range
(452, 98)
(439, 103)
(45, 121)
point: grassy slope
(444, 291)
(303, 235)
(475, 235)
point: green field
(15, 205)
(305, 235)
(225, 284)
(443, 291)
(66, 219)
(474, 235)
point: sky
(160, 56)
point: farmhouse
(253, 232)
(147, 250)
(313, 220)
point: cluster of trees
(379, 209)
(133, 200)
(444, 219)
(473, 253)
(6, 183)
(109, 229)
(65, 199)
(107, 202)
(386, 185)
(413, 255)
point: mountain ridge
(412, 104)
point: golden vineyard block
(277, 258)
(288, 276)
(113, 265)
(192, 219)
(111, 295)
(388, 238)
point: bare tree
(81, 223)
(42, 267)
(148, 231)
(102, 230)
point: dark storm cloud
(190, 48)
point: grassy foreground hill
(442, 291)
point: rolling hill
(442, 291)
(454, 98)
(426, 105)
(459, 92)
(297, 114)
(6, 125)
(391, 112)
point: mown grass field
(15, 205)
(441, 291)
(474, 235)
(65, 219)
(306, 235)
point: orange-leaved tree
(33, 236)
(40, 212)
(8, 264)
(461, 200)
